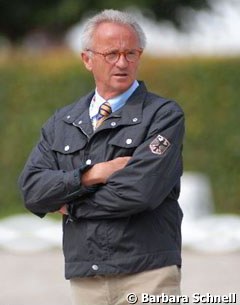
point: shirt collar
(116, 102)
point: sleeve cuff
(73, 183)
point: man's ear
(87, 60)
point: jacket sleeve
(149, 177)
(45, 187)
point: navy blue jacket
(133, 222)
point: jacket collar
(129, 114)
(79, 114)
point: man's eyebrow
(111, 51)
(116, 51)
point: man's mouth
(120, 74)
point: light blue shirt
(116, 103)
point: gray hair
(113, 16)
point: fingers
(63, 210)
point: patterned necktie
(104, 111)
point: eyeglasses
(113, 57)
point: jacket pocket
(126, 141)
(69, 150)
(69, 144)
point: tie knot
(105, 109)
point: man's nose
(122, 61)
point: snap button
(66, 148)
(68, 117)
(113, 124)
(95, 267)
(129, 141)
(88, 162)
(135, 120)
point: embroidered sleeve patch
(159, 145)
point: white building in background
(213, 32)
(202, 230)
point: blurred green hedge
(208, 89)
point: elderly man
(111, 164)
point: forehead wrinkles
(115, 36)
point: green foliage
(19, 17)
(31, 88)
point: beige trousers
(125, 289)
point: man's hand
(100, 172)
(63, 210)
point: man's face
(112, 78)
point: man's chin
(122, 84)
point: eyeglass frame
(118, 53)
